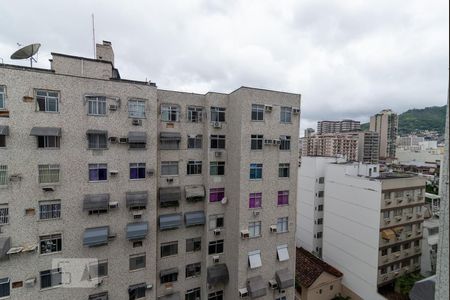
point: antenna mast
(93, 35)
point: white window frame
(194, 167)
(52, 238)
(49, 173)
(254, 259)
(254, 229)
(170, 168)
(97, 103)
(258, 139)
(213, 221)
(48, 96)
(2, 97)
(282, 224)
(47, 140)
(98, 167)
(52, 209)
(282, 252)
(135, 257)
(195, 114)
(217, 114)
(136, 108)
(259, 110)
(197, 141)
(170, 113)
(95, 143)
(284, 168)
(286, 115)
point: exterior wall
(386, 124)
(325, 287)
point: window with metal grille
(285, 142)
(50, 278)
(50, 243)
(48, 173)
(47, 101)
(96, 105)
(218, 295)
(3, 175)
(50, 209)
(193, 294)
(137, 261)
(217, 168)
(99, 269)
(169, 249)
(4, 214)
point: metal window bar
(48, 173)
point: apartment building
(354, 146)
(385, 123)
(178, 195)
(337, 126)
(372, 225)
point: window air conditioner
(388, 202)
(387, 221)
(295, 110)
(113, 107)
(273, 228)
(276, 142)
(398, 218)
(273, 284)
(245, 234)
(137, 214)
(268, 108)
(218, 154)
(136, 122)
(243, 293)
(113, 172)
(169, 180)
(123, 140)
(217, 231)
(113, 139)
(216, 259)
(114, 204)
(256, 213)
(268, 142)
(48, 189)
(216, 124)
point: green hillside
(428, 118)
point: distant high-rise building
(386, 124)
(337, 126)
(309, 132)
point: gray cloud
(348, 59)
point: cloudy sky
(348, 58)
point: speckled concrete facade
(75, 78)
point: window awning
(168, 272)
(173, 136)
(134, 287)
(137, 230)
(174, 296)
(217, 274)
(282, 252)
(96, 131)
(4, 130)
(137, 137)
(254, 259)
(284, 278)
(169, 195)
(45, 131)
(388, 234)
(134, 199)
(256, 287)
(5, 245)
(101, 296)
(195, 218)
(194, 191)
(170, 221)
(96, 202)
(97, 236)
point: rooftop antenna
(93, 35)
(27, 52)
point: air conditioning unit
(218, 154)
(273, 284)
(136, 122)
(406, 253)
(256, 213)
(150, 172)
(48, 189)
(113, 139)
(113, 107)
(295, 110)
(224, 200)
(245, 234)
(409, 216)
(99, 283)
(30, 282)
(385, 278)
(419, 215)
(137, 213)
(396, 273)
(169, 180)
(15, 177)
(388, 202)
(268, 108)
(273, 228)
(216, 259)
(114, 204)
(113, 172)
(217, 231)
(418, 232)
(399, 201)
(268, 142)
(243, 293)
(387, 221)
(398, 218)
(112, 236)
(149, 286)
(216, 124)
(409, 234)
(276, 142)
(123, 140)
(397, 255)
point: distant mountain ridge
(428, 118)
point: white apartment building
(338, 126)
(178, 195)
(372, 225)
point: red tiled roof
(308, 268)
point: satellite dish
(27, 52)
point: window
(254, 229)
(136, 109)
(2, 101)
(285, 142)
(137, 261)
(49, 209)
(416, 243)
(398, 212)
(215, 247)
(319, 235)
(215, 295)
(47, 101)
(2, 141)
(195, 142)
(51, 278)
(137, 291)
(216, 221)
(256, 142)
(217, 168)
(194, 167)
(169, 168)
(193, 294)
(216, 194)
(168, 249)
(169, 277)
(408, 227)
(408, 210)
(418, 225)
(5, 288)
(406, 246)
(194, 244)
(255, 200)
(281, 298)
(3, 175)
(418, 209)
(321, 180)
(48, 173)
(137, 171)
(283, 198)
(320, 194)
(4, 214)
(217, 114)
(99, 296)
(387, 214)
(193, 270)
(48, 141)
(320, 207)
(283, 170)
(395, 248)
(97, 141)
(286, 114)
(387, 195)
(282, 252)
(257, 112)
(398, 194)
(50, 243)
(282, 224)
(170, 113)
(256, 171)
(217, 141)
(320, 221)
(416, 260)
(96, 105)
(384, 252)
(194, 114)
(98, 270)
(254, 259)
(98, 172)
